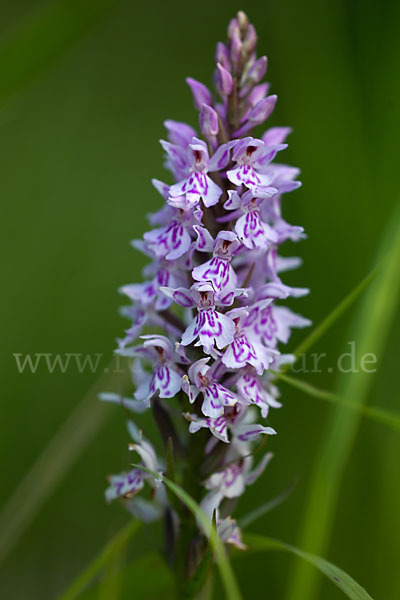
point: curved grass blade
(227, 576)
(45, 35)
(112, 549)
(370, 330)
(265, 508)
(323, 327)
(340, 578)
(57, 458)
(375, 413)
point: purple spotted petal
(166, 382)
(125, 485)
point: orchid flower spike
(208, 321)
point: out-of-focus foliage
(80, 122)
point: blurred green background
(84, 89)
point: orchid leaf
(342, 580)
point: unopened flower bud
(224, 81)
(222, 56)
(236, 47)
(257, 71)
(243, 21)
(250, 40)
(258, 93)
(208, 121)
(232, 28)
(262, 110)
(201, 94)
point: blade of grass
(112, 549)
(42, 38)
(227, 576)
(323, 327)
(339, 577)
(57, 458)
(380, 415)
(370, 331)
(265, 508)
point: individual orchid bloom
(271, 212)
(246, 347)
(142, 315)
(252, 390)
(234, 420)
(231, 481)
(250, 229)
(149, 292)
(252, 158)
(218, 269)
(165, 378)
(244, 429)
(274, 265)
(273, 323)
(173, 240)
(139, 315)
(125, 485)
(210, 326)
(229, 532)
(200, 379)
(250, 432)
(175, 159)
(197, 184)
(283, 177)
(218, 427)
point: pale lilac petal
(214, 327)
(220, 158)
(190, 333)
(161, 187)
(170, 242)
(190, 390)
(259, 470)
(250, 432)
(216, 397)
(212, 193)
(241, 353)
(276, 135)
(201, 94)
(205, 241)
(219, 272)
(234, 201)
(179, 134)
(285, 320)
(136, 406)
(180, 295)
(166, 382)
